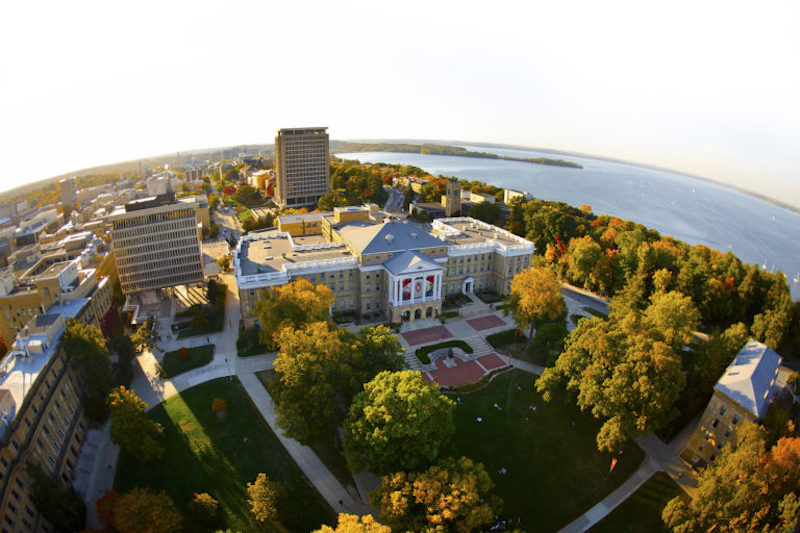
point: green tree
(131, 429)
(452, 495)
(535, 295)
(224, 263)
(330, 200)
(292, 305)
(398, 422)
(60, 504)
(146, 336)
(144, 511)
(87, 350)
(382, 350)
(213, 231)
(747, 488)
(624, 370)
(263, 496)
(126, 354)
(248, 196)
(487, 212)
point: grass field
(205, 453)
(554, 471)
(642, 510)
(198, 356)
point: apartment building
(68, 188)
(41, 419)
(303, 174)
(156, 244)
(744, 392)
(377, 267)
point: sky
(709, 88)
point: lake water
(689, 209)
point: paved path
(103, 454)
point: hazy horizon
(703, 89)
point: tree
(224, 263)
(60, 504)
(330, 200)
(292, 305)
(382, 350)
(452, 495)
(203, 513)
(623, 368)
(126, 353)
(131, 429)
(746, 488)
(263, 495)
(487, 212)
(144, 511)
(350, 523)
(229, 190)
(146, 336)
(398, 422)
(213, 231)
(88, 353)
(248, 196)
(535, 295)
(105, 507)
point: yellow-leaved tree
(535, 295)
(292, 305)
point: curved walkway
(153, 390)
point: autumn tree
(105, 507)
(487, 212)
(398, 422)
(747, 488)
(627, 369)
(262, 498)
(382, 351)
(292, 305)
(144, 511)
(224, 263)
(88, 353)
(330, 200)
(535, 295)
(202, 513)
(452, 495)
(146, 336)
(131, 429)
(248, 196)
(350, 523)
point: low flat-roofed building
(41, 418)
(510, 194)
(744, 392)
(301, 223)
(397, 269)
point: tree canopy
(263, 496)
(452, 495)
(349, 523)
(398, 422)
(486, 211)
(292, 305)
(144, 511)
(248, 196)
(535, 295)
(627, 369)
(60, 504)
(330, 200)
(131, 429)
(747, 488)
(88, 353)
(146, 336)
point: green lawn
(205, 453)
(554, 471)
(642, 510)
(198, 356)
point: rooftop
(272, 250)
(389, 236)
(750, 377)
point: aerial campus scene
(418, 268)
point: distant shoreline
(753, 194)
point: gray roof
(750, 377)
(409, 262)
(46, 320)
(373, 239)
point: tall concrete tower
(302, 165)
(68, 196)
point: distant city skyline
(708, 89)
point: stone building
(744, 392)
(374, 267)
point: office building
(68, 196)
(744, 392)
(303, 174)
(156, 244)
(378, 267)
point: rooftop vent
(413, 234)
(389, 238)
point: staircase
(480, 346)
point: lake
(689, 209)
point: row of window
(161, 237)
(179, 244)
(155, 228)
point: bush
(219, 405)
(510, 336)
(203, 513)
(183, 353)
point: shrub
(203, 512)
(423, 354)
(183, 353)
(219, 405)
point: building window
(728, 432)
(722, 410)
(735, 419)
(715, 423)
(369, 306)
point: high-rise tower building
(452, 199)
(68, 196)
(302, 164)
